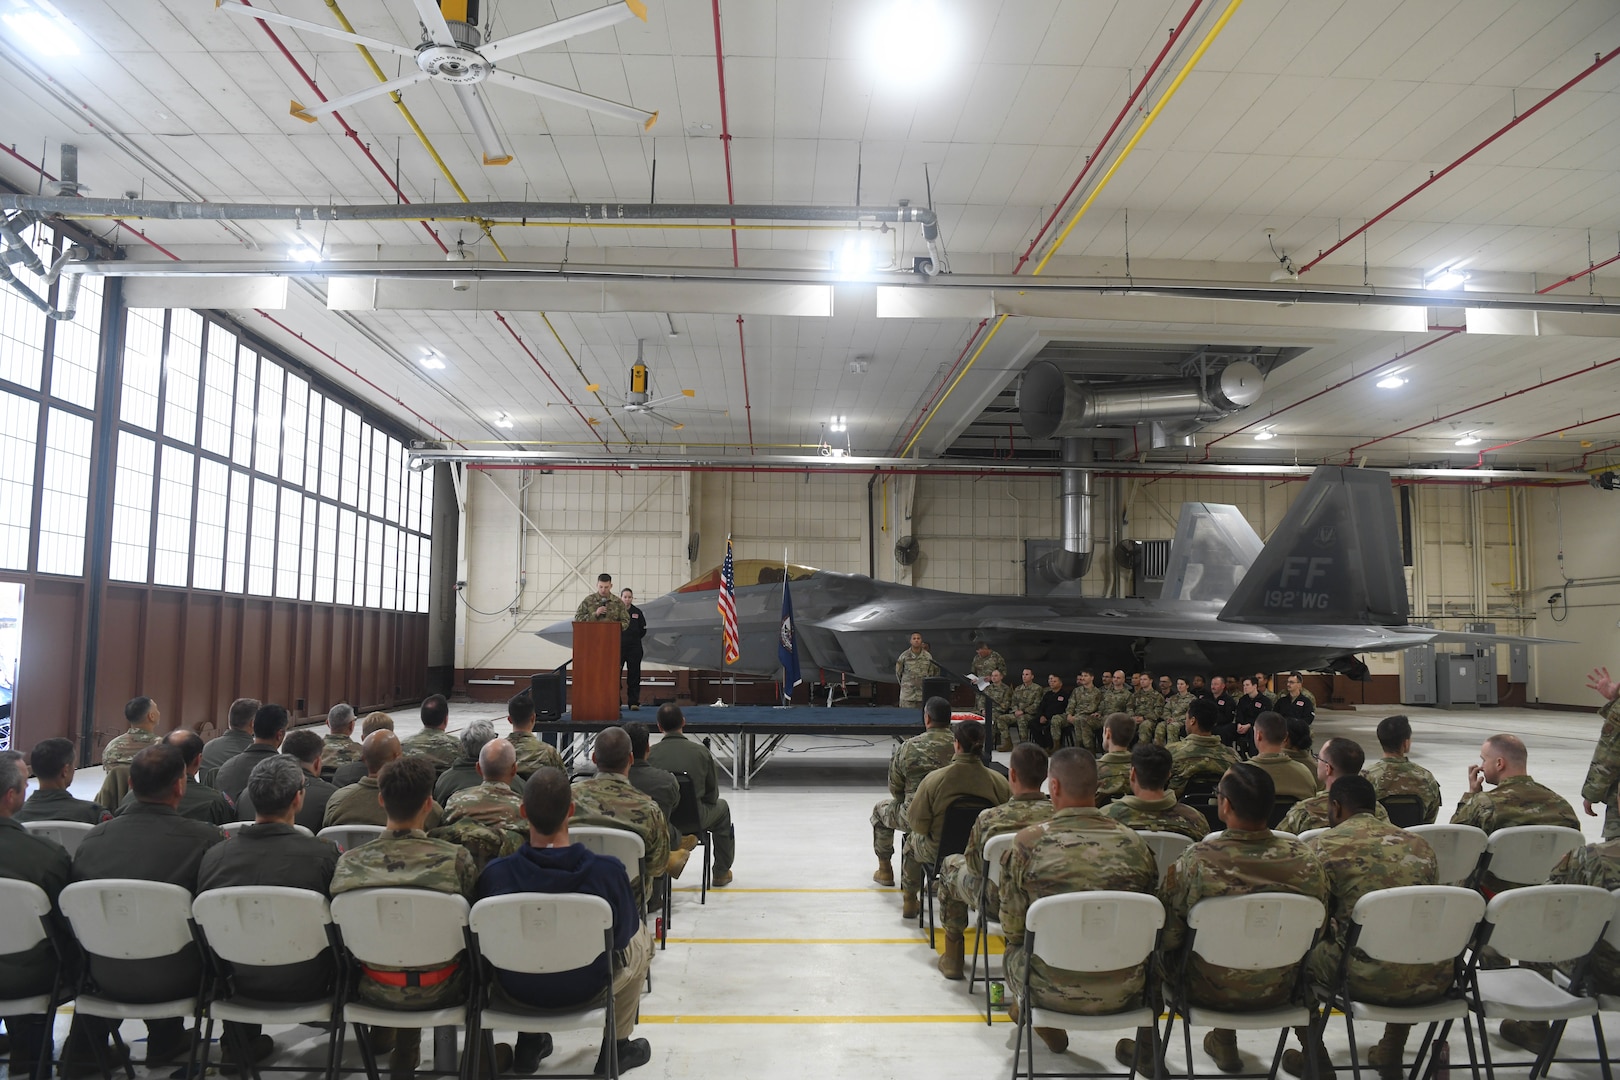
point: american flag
(728, 609)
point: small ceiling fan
(638, 402)
(456, 52)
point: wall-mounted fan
(456, 52)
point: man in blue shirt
(550, 863)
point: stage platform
(743, 737)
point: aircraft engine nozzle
(1052, 404)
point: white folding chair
(231, 828)
(126, 919)
(400, 929)
(265, 926)
(1413, 924)
(1457, 847)
(66, 833)
(1258, 932)
(1537, 924)
(350, 836)
(1526, 854)
(1089, 932)
(25, 913)
(623, 845)
(1166, 846)
(994, 848)
(1311, 834)
(542, 934)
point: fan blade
(661, 418)
(483, 124)
(573, 97)
(309, 113)
(562, 30)
(315, 28)
(433, 20)
(669, 400)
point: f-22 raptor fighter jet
(1327, 586)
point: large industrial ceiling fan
(454, 51)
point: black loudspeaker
(936, 686)
(550, 692)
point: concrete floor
(803, 967)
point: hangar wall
(971, 530)
(1572, 533)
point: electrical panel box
(1456, 681)
(1519, 664)
(1417, 675)
(1484, 653)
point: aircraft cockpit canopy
(749, 572)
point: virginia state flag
(787, 646)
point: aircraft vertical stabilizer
(1214, 547)
(1335, 559)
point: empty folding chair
(66, 833)
(231, 828)
(1279, 809)
(994, 848)
(1458, 848)
(350, 836)
(1200, 795)
(1166, 846)
(1537, 924)
(1404, 811)
(541, 934)
(401, 930)
(960, 816)
(125, 919)
(1261, 931)
(1089, 932)
(1414, 924)
(1526, 854)
(264, 926)
(25, 924)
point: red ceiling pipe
(1434, 177)
(1479, 462)
(530, 353)
(1600, 450)
(1328, 390)
(731, 198)
(748, 409)
(1594, 268)
(1351, 453)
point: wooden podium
(595, 695)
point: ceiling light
(1264, 436)
(45, 32)
(1390, 382)
(1445, 279)
(839, 423)
(303, 251)
(1468, 440)
(855, 258)
(908, 43)
(502, 420)
(433, 361)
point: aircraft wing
(1427, 636)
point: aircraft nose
(558, 633)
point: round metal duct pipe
(1051, 404)
(1075, 559)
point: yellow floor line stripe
(793, 941)
(924, 1018)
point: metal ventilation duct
(1052, 405)
(1075, 559)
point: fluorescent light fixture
(304, 251)
(1265, 436)
(855, 258)
(501, 419)
(433, 361)
(1468, 440)
(1390, 382)
(1445, 279)
(44, 32)
(839, 423)
(908, 44)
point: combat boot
(1386, 1054)
(950, 961)
(406, 1054)
(690, 842)
(1056, 1039)
(885, 873)
(1221, 1044)
(677, 862)
(1136, 1053)
(910, 906)
(1529, 1034)
(1293, 1061)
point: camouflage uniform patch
(984, 665)
(494, 805)
(1199, 756)
(1114, 774)
(999, 696)
(911, 668)
(1025, 698)
(1159, 815)
(1147, 703)
(1602, 785)
(1517, 800)
(1075, 850)
(1395, 775)
(122, 750)
(610, 800)
(1173, 727)
(616, 611)
(1083, 715)
(912, 760)
(961, 877)
(532, 754)
(1594, 864)
(445, 750)
(1312, 813)
(338, 750)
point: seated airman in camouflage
(1201, 755)
(1150, 807)
(1393, 774)
(492, 803)
(1602, 785)
(998, 700)
(1077, 849)
(142, 716)
(1340, 757)
(464, 773)
(1247, 858)
(962, 877)
(1594, 864)
(965, 776)
(531, 752)
(1147, 705)
(1516, 799)
(360, 803)
(1082, 717)
(1362, 854)
(404, 857)
(1116, 696)
(1023, 706)
(1173, 717)
(340, 747)
(913, 759)
(1114, 767)
(610, 800)
(1297, 745)
(438, 744)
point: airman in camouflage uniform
(1363, 854)
(1173, 717)
(986, 660)
(338, 750)
(1114, 767)
(1083, 713)
(1024, 706)
(438, 746)
(143, 716)
(911, 668)
(1595, 864)
(1247, 858)
(1341, 757)
(1516, 799)
(1395, 775)
(1077, 849)
(1151, 806)
(1201, 753)
(602, 605)
(533, 754)
(1602, 786)
(1312, 813)
(493, 804)
(998, 699)
(1146, 706)
(912, 760)
(610, 800)
(1116, 696)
